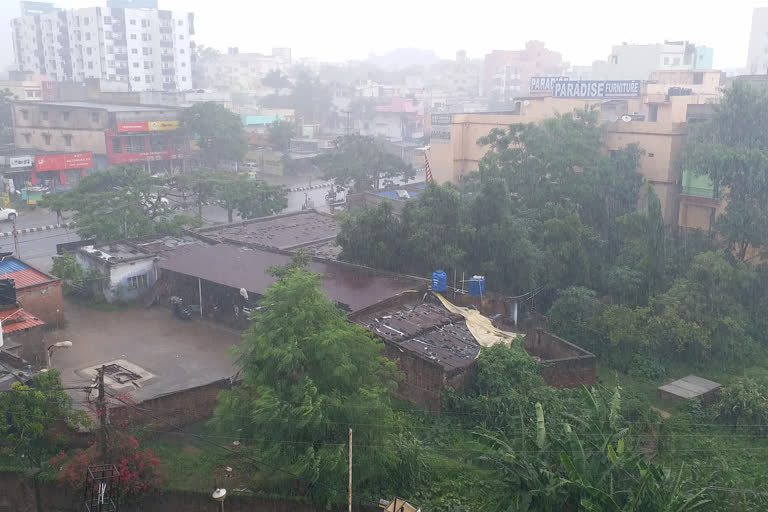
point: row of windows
(47, 139)
(64, 115)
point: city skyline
(581, 35)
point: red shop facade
(158, 149)
(61, 169)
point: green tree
(123, 202)
(276, 80)
(29, 412)
(373, 237)
(280, 134)
(732, 150)
(362, 162)
(218, 131)
(311, 99)
(307, 374)
(250, 198)
(573, 313)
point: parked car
(8, 214)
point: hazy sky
(337, 30)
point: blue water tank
(439, 281)
(477, 286)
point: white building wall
(89, 39)
(757, 59)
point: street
(38, 248)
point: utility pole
(350, 470)
(16, 240)
(102, 408)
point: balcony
(168, 72)
(166, 30)
(166, 44)
(166, 58)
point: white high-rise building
(149, 49)
(757, 60)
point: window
(86, 20)
(180, 22)
(112, 77)
(650, 155)
(148, 78)
(676, 61)
(181, 36)
(133, 36)
(135, 64)
(47, 138)
(147, 51)
(134, 51)
(30, 94)
(145, 23)
(65, 116)
(653, 113)
(117, 145)
(87, 36)
(137, 282)
(67, 140)
(90, 65)
(698, 78)
(25, 115)
(146, 37)
(183, 79)
(666, 61)
(27, 138)
(95, 117)
(183, 64)
(134, 144)
(88, 51)
(137, 79)
(147, 65)
(107, 20)
(45, 115)
(133, 22)
(182, 50)
(110, 49)
(111, 63)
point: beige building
(657, 121)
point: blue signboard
(596, 89)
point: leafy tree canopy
(218, 131)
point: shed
(689, 387)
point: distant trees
(250, 198)
(276, 80)
(219, 133)
(362, 162)
(279, 135)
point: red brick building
(36, 292)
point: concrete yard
(178, 354)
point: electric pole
(102, 408)
(16, 240)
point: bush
(646, 368)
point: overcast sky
(337, 30)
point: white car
(7, 214)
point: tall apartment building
(241, 72)
(148, 49)
(757, 60)
(507, 74)
(638, 61)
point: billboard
(441, 129)
(544, 83)
(147, 126)
(596, 89)
(63, 162)
(20, 161)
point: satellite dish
(626, 119)
(526, 103)
(219, 494)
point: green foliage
(732, 150)
(28, 414)
(306, 374)
(276, 80)
(67, 268)
(250, 198)
(572, 314)
(362, 162)
(744, 402)
(218, 131)
(122, 202)
(280, 134)
(375, 236)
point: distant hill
(402, 58)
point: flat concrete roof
(690, 387)
(284, 232)
(109, 107)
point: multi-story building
(63, 139)
(656, 118)
(507, 74)
(757, 60)
(241, 72)
(638, 61)
(148, 49)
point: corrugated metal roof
(11, 266)
(260, 120)
(27, 320)
(236, 267)
(28, 277)
(690, 386)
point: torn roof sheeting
(480, 326)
